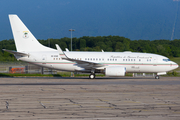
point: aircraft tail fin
(24, 39)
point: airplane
(114, 64)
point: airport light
(72, 74)
(71, 37)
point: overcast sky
(134, 19)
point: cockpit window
(166, 60)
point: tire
(156, 77)
(92, 76)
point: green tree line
(169, 48)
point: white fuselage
(132, 61)
(109, 63)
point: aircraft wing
(80, 63)
(85, 64)
(16, 53)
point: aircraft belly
(65, 67)
(147, 68)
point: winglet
(61, 53)
(67, 50)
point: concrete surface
(99, 99)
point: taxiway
(123, 98)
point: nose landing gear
(157, 77)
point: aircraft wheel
(92, 76)
(157, 77)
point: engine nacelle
(115, 71)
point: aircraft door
(44, 59)
(155, 60)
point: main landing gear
(92, 76)
(157, 77)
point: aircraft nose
(176, 65)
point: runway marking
(102, 100)
(45, 101)
(131, 102)
(83, 91)
(141, 109)
(137, 109)
(103, 107)
(166, 104)
(155, 94)
(146, 110)
(76, 104)
(178, 112)
(127, 93)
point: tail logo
(25, 35)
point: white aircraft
(109, 63)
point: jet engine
(115, 71)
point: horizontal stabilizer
(16, 53)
